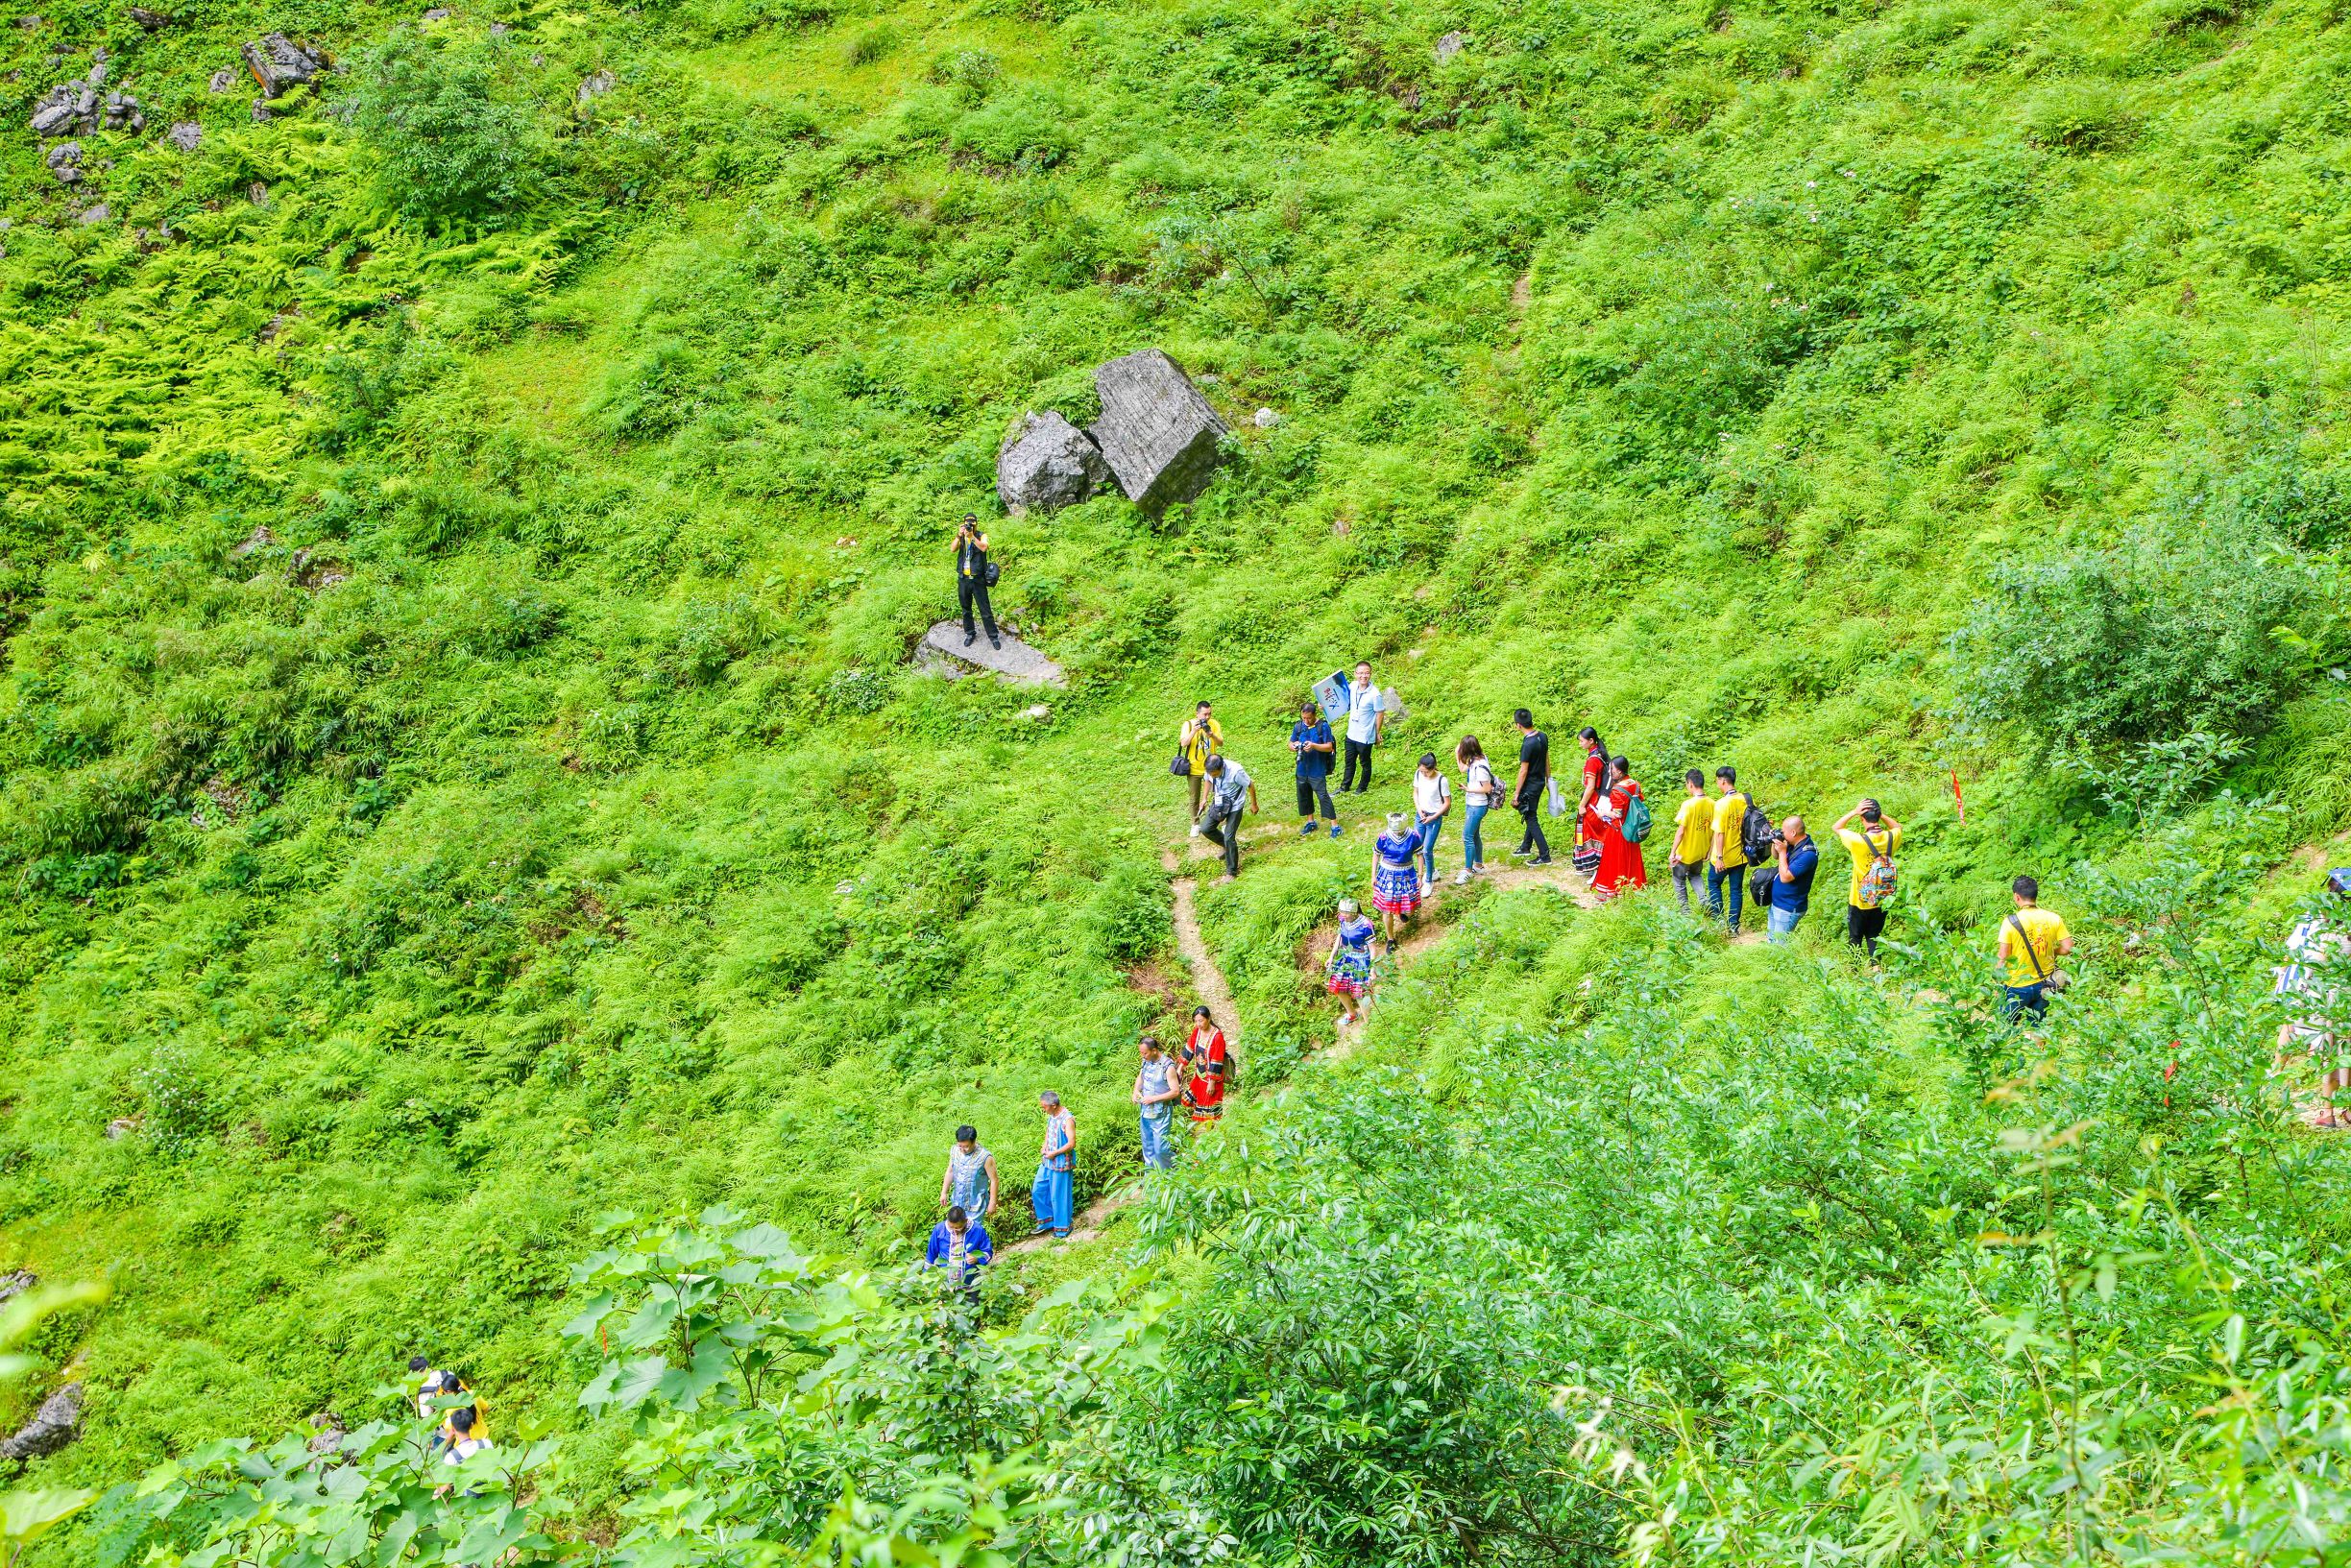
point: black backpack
(1755, 834)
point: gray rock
(151, 20)
(435, 13)
(97, 75)
(499, 30)
(1265, 418)
(260, 538)
(1015, 664)
(597, 85)
(54, 115)
(96, 214)
(64, 160)
(260, 111)
(278, 63)
(185, 134)
(120, 1128)
(224, 78)
(1157, 431)
(257, 193)
(15, 1284)
(1046, 463)
(52, 1426)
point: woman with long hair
(1483, 792)
(1620, 857)
(1588, 808)
(1204, 1055)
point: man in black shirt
(971, 580)
(1533, 772)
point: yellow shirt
(1694, 831)
(1729, 812)
(1888, 839)
(2044, 930)
(1207, 739)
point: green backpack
(1637, 820)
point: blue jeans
(1736, 878)
(1780, 923)
(1157, 1155)
(2026, 999)
(1431, 830)
(1051, 1199)
(1473, 841)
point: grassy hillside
(459, 774)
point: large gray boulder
(1157, 431)
(52, 1426)
(1047, 462)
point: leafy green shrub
(2166, 633)
(1126, 919)
(654, 392)
(453, 137)
(972, 73)
(176, 1112)
(1027, 130)
(873, 45)
(2079, 117)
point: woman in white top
(1482, 791)
(1432, 799)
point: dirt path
(1089, 1223)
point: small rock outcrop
(1157, 431)
(1450, 45)
(280, 64)
(64, 161)
(597, 85)
(78, 107)
(185, 134)
(1047, 462)
(15, 1284)
(52, 1426)
(942, 652)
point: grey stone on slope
(1157, 431)
(1015, 664)
(185, 134)
(52, 1426)
(278, 63)
(1047, 462)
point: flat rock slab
(1015, 664)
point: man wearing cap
(1871, 846)
(972, 580)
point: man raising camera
(972, 580)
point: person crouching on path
(1154, 1098)
(1482, 792)
(1200, 739)
(1432, 799)
(1054, 1192)
(971, 580)
(1349, 964)
(1204, 1058)
(1311, 740)
(1231, 788)
(1527, 794)
(970, 1180)
(1620, 857)
(960, 1245)
(1396, 882)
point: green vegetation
(459, 774)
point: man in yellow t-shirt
(2031, 942)
(1200, 739)
(1728, 856)
(1872, 847)
(1693, 837)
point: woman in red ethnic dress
(1204, 1055)
(1620, 858)
(1587, 806)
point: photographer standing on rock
(972, 577)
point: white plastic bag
(1559, 796)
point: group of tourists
(464, 1431)
(1193, 1081)
(1723, 843)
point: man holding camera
(972, 580)
(1791, 885)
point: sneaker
(1195, 829)
(1042, 1230)
(970, 638)
(1336, 829)
(1543, 861)
(995, 642)
(1461, 879)
(1308, 831)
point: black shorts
(1863, 926)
